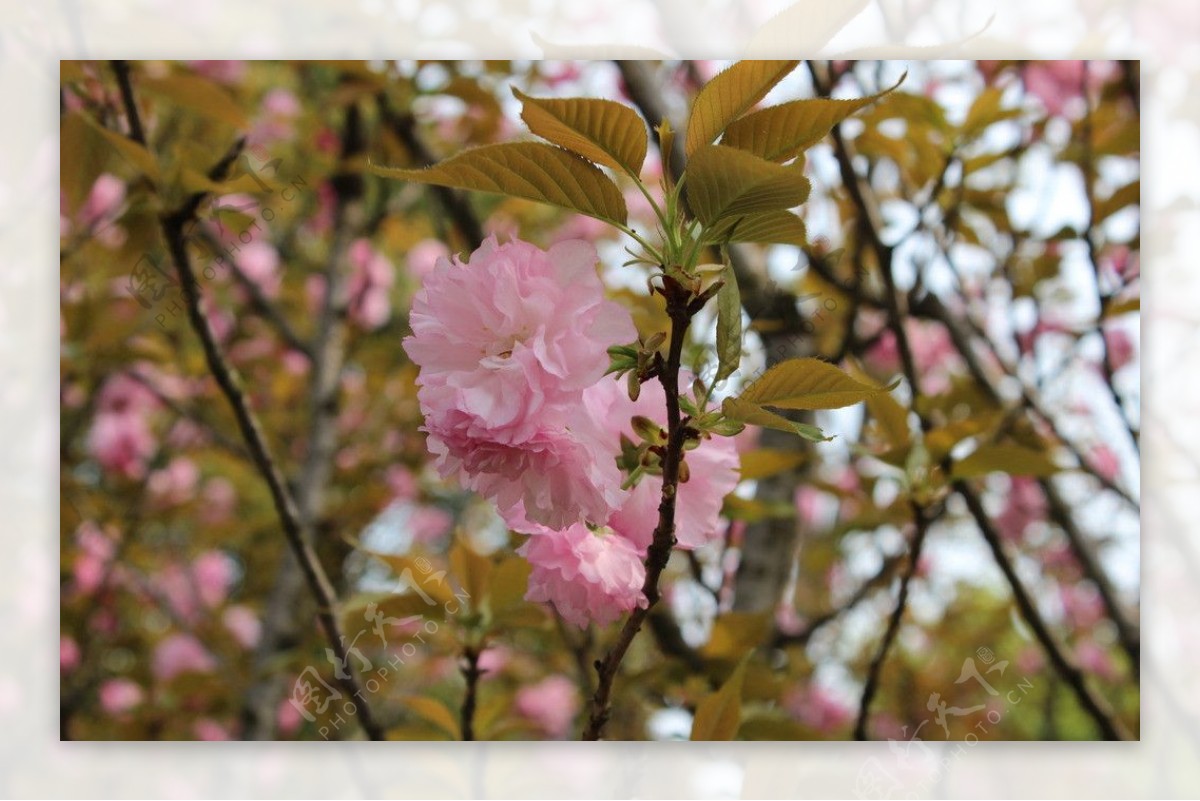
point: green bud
(647, 429)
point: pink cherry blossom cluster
(120, 439)
(512, 347)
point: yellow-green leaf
(729, 325)
(354, 615)
(530, 170)
(605, 131)
(780, 133)
(719, 714)
(1128, 195)
(1015, 460)
(141, 158)
(729, 95)
(510, 579)
(773, 227)
(724, 183)
(195, 181)
(756, 415)
(472, 571)
(807, 384)
(764, 462)
(887, 412)
(735, 634)
(419, 575)
(986, 111)
(198, 94)
(433, 712)
(1125, 306)
(941, 440)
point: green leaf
(756, 415)
(604, 131)
(773, 227)
(803, 27)
(472, 571)
(941, 440)
(735, 634)
(1125, 306)
(719, 714)
(510, 579)
(986, 111)
(807, 384)
(405, 605)
(195, 181)
(141, 158)
(780, 133)
(729, 95)
(729, 326)
(434, 712)
(724, 183)
(1016, 460)
(887, 412)
(529, 170)
(1128, 195)
(764, 462)
(421, 576)
(200, 95)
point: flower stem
(659, 552)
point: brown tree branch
(868, 223)
(1127, 633)
(659, 552)
(455, 203)
(783, 640)
(471, 673)
(1104, 299)
(1096, 708)
(173, 225)
(871, 686)
(327, 353)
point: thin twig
(260, 303)
(871, 687)
(327, 355)
(173, 225)
(1104, 299)
(471, 673)
(1092, 704)
(659, 551)
(218, 437)
(869, 216)
(580, 651)
(1127, 633)
(783, 639)
(456, 205)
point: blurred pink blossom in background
(118, 696)
(181, 653)
(552, 704)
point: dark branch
(871, 687)
(173, 225)
(659, 551)
(471, 673)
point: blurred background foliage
(1002, 198)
